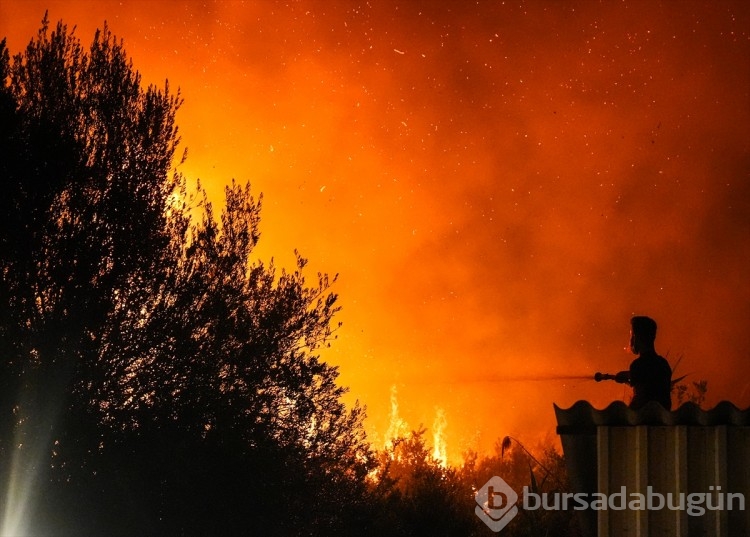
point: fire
(397, 427)
(440, 450)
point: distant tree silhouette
(154, 378)
(416, 495)
(419, 496)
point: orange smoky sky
(499, 185)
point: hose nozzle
(604, 376)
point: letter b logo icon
(496, 503)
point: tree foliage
(423, 497)
(154, 376)
(417, 496)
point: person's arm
(623, 377)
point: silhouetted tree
(86, 168)
(154, 378)
(420, 496)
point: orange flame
(440, 450)
(397, 426)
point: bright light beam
(27, 462)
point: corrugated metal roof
(584, 417)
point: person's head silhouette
(642, 334)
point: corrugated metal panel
(676, 453)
